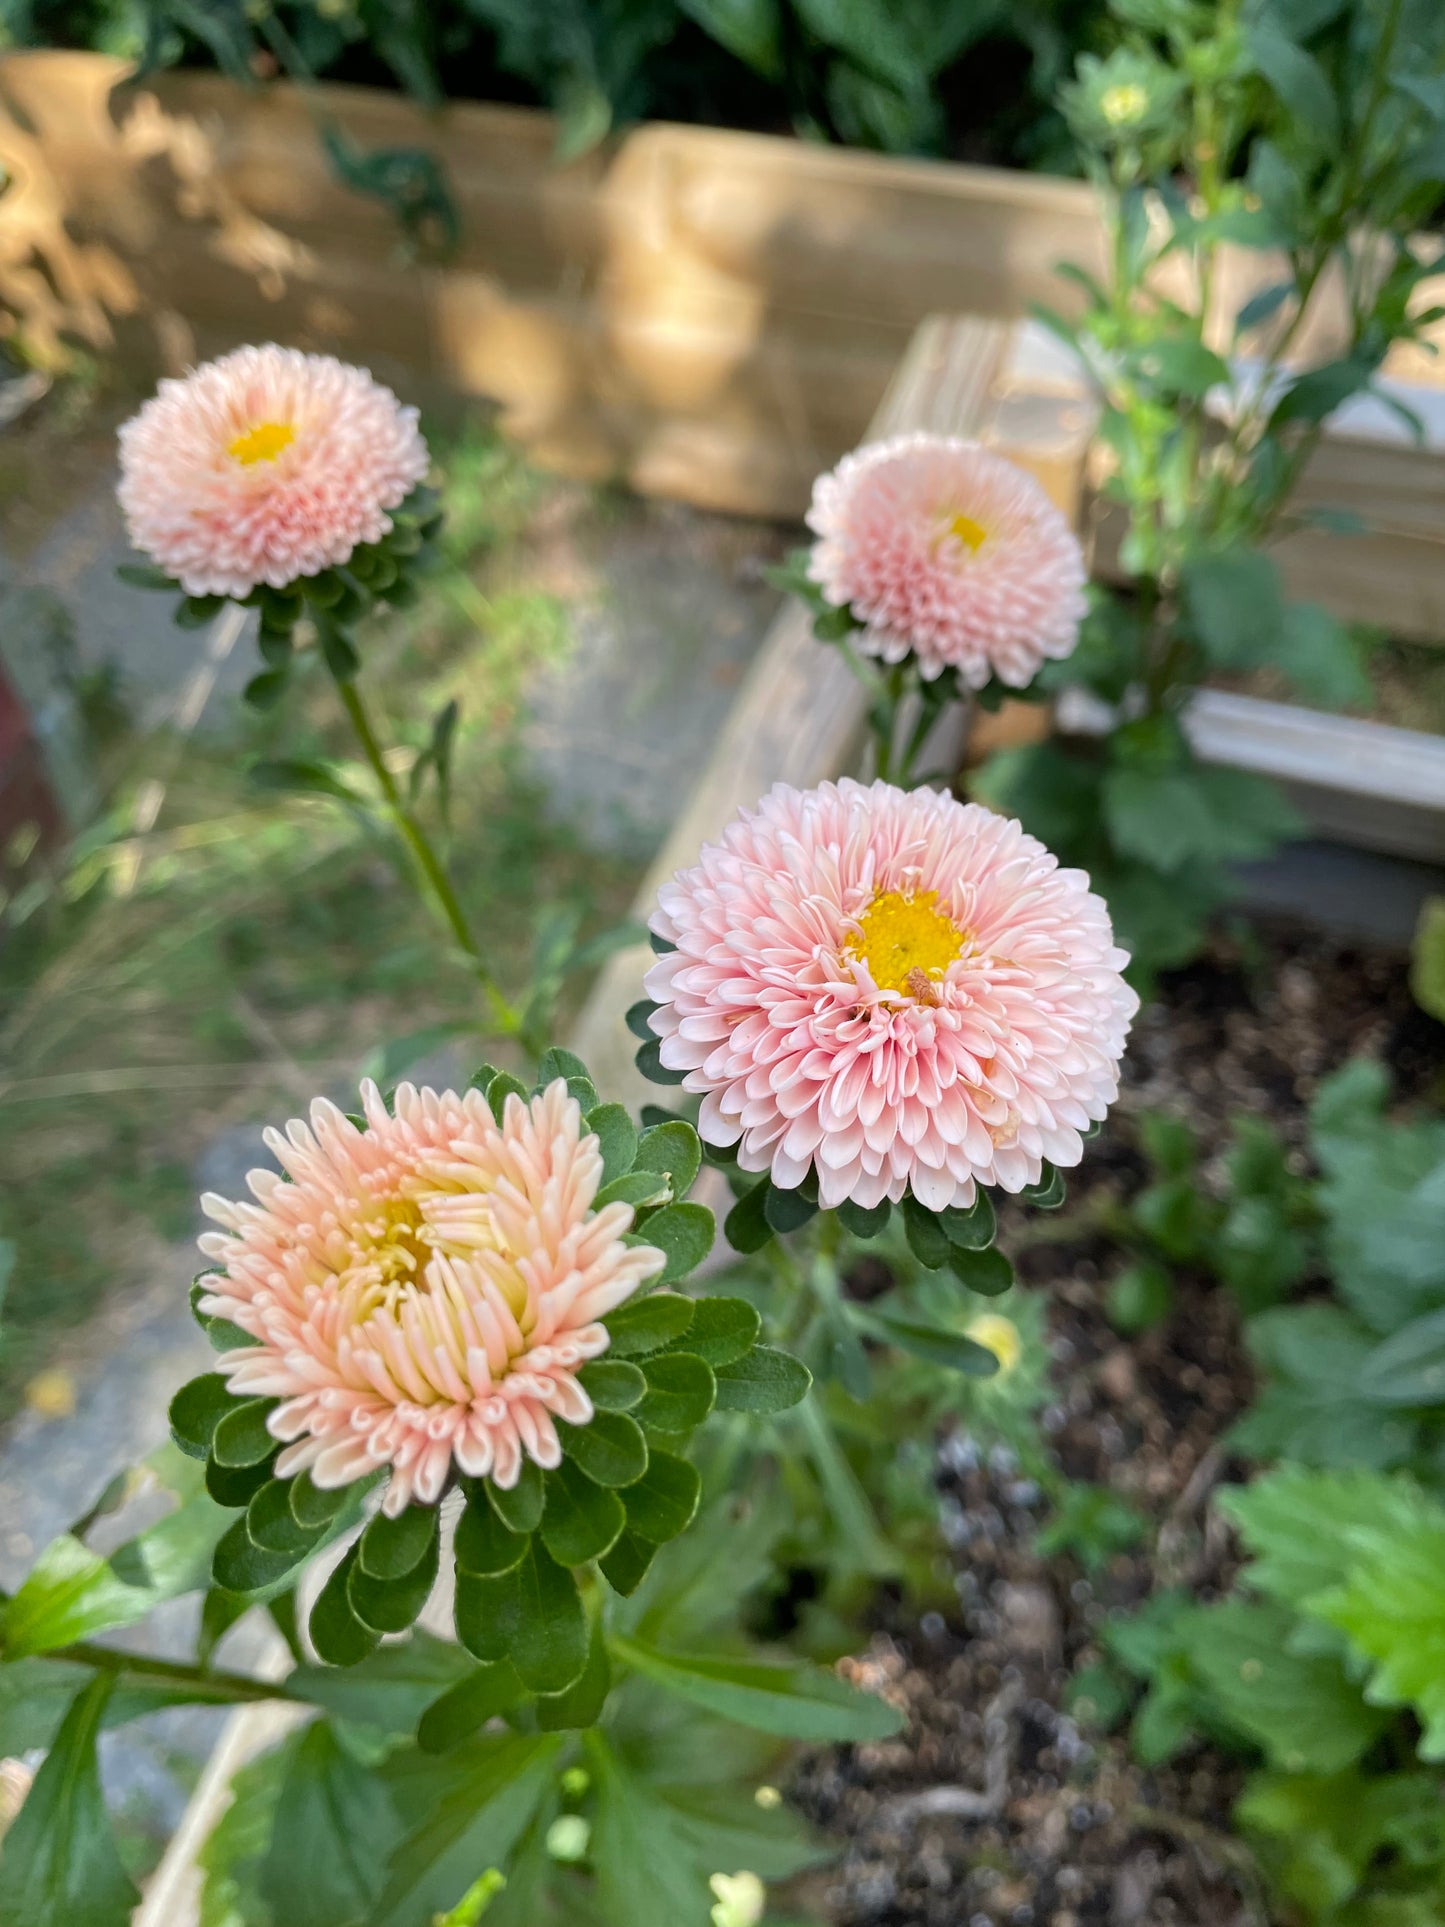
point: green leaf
(926, 1238)
(613, 1129)
(746, 1226)
(1181, 365)
(197, 1409)
(338, 1635)
(1319, 655)
(612, 1384)
(581, 1705)
(467, 1810)
(1322, 390)
(237, 1485)
(681, 1391)
(391, 1689)
(1048, 1194)
(487, 1613)
(582, 1520)
(626, 1566)
(647, 1874)
(519, 1507)
(788, 1211)
(60, 1867)
(751, 29)
(649, 1062)
(549, 1641)
(664, 1501)
(1299, 1524)
(1300, 1708)
(765, 1381)
(685, 1233)
(972, 1229)
(637, 1019)
(333, 1830)
(863, 1221)
(1392, 1609)
(673, 1148)
(1235, 605)
(987, 1272)
(314, 1505)
(222, 1334)
(145, 575)
(645, 1325)
(391, 1605)
(1141, 1297)
(241, 1566)
(723, 1330)
(241, 1437)
(484, 1546)
(267, 689)
(932, 1342)
(637, 1188)
(390, 1548)
(611, 1449)
(272, 1526)
(1409, 1367)
(72, 1593)
(1299, 82)
(466, 1707)
(796, 1702)
(303, 777)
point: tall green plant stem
(430, 868)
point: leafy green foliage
(1093, 1524)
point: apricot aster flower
(946, 551)
(263, 467)
(424, 1287)
(891, 989)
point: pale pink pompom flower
(263, 467)
(892, 989)
(424, 1288)
(948, 552)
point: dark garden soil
(994, 1808)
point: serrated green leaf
(645, 1325)
(664, 1501)
(466, 1707)
(796, 1702)
(616, 1137)
(612, 1384)
(765, 1381)
(338, 1635)
(611, 1449)
(723, 1330)
(673, 1148)
(334, 1827)
(582, 1520)
(390, 1548)
(646, 1872)
(1391, 1607)
(60, 1866)
(681, 1391)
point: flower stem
(433, 872)
(223, 1687)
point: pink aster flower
(946, 551)
(423, 1289)
(263, 467)
(893, 989)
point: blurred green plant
(1323, 1666)
(917, 77)
(1314, 135)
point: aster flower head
(264, 467)
(891, 990)
(950, 554)
(423, 1286)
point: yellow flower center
(972, 534)
(907, 942)
(999, 1336)
(1126, 101)
(400, 1243)
(263, 443)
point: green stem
(206, 1684)
(428, 863)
